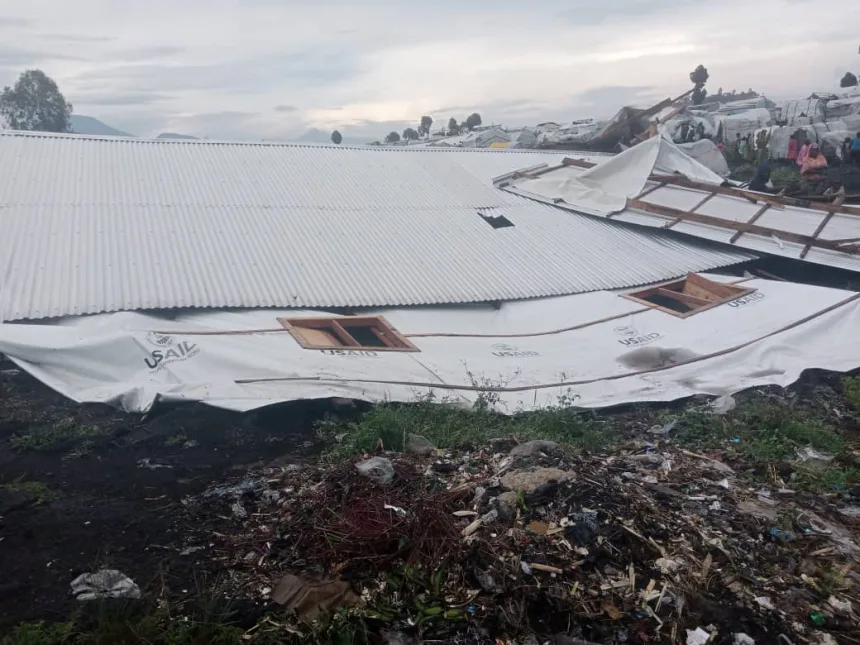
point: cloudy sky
(252, 69)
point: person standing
(792, 148)
(802, 153)
(855, 149)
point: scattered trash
(474, 538)
(818, 618)
(812, 457)
(400, 511)
(146, 463)
(378, 469)
(665, 429)
(531, 448)
(239, 511)
(780, 535)
(309, 598)
(698, 636)
(104, 583)
(191, 549)
(723, 405)
(418, 445)
(765, 602)
(530, 480)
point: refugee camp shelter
(241, 275)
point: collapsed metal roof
(639, 187)
(94, 224)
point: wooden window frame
(698, 292)
(338, 326)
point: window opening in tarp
(355, 332)
(688, 296)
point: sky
(273, 69)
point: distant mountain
(88, 125)
(315, 135)
(174, 135)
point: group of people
(851, 149)
(749, 149)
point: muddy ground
(88, 500)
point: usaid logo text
(169, 350)
(633, 338)
(507, 351)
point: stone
(532, 448)
(529, 481)
(418, 445)
(507, 505)
(378, 469)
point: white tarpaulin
(708, 154)
(606, 188)
(600, 349)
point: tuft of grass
(40, 491)
(449, 427)
(851, 389)
(175, 440)
(128, 624)
(39, 633)
(57, 435)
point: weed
(59, 434)
(825, 481)
(178, 439)
(40, 491)
(851, 389)
(79, 452)
(449, 427)
(39, 633)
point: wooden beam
(692, 210)
(773, 200)
(761, 211)
(743, 227)
(818, 229)
(650, 190)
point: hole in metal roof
(496, 221)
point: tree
(336, 137)
(392, 137)
(699, 77)
(410, 134)
(453, 126)
(426, 124)
(473, 121)
(35, 103)
(849, 80)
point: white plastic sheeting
(606, 188)
(708, 154)
(599, 349)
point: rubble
(564, 549)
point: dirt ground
(87, 487)
(106, 506)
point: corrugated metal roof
(103, 224)
(784, 219)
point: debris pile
(522, 543)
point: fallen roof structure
(104, 224)
(599, 349)
(655, 184)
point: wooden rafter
(752, 220)
(774, 200)
(701, 203)
(742, 227)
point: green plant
(57, 435)
(175, 440)
(40, 491)
(851, 389)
